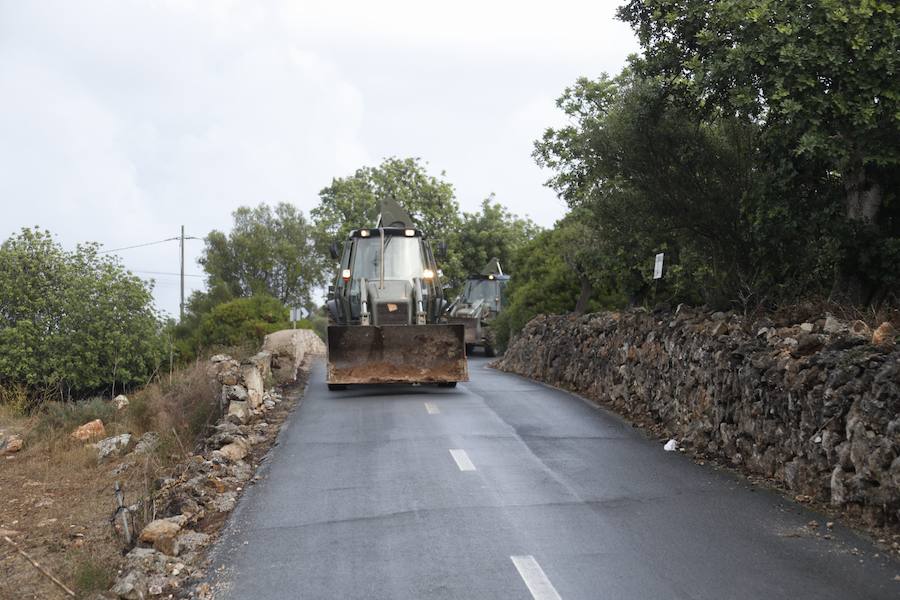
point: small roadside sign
(658, 267)
(298, 313)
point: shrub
(14, 396)
(92, 574)
(74, 323)
(239, 322)
(186, 404)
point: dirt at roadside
(59, 510)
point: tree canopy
(492, 231)
(355, 201)
(820, 80)
(73, 323)
(269, 251)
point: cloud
(570, 29)
(124, 119)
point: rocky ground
(96, 511)
(65, 516)
(194, 502)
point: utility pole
(181, 306)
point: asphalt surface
(542, 497)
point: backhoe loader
(386, 310)
(482, 299)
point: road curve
(504, 488)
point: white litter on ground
(671, 446)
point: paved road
(503, 488)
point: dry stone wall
(287, 349)
(815, 405)
(169, 555)
(244, 383)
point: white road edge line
(432, 408)
(535, 578)
(462, 459)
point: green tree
(492, 231)
(355, 201)
(820, 79)
(73, 323)
(648, 174)
(268, 251)
(547, 275)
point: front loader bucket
(396, 354)
(471, 325)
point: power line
(171, 239)
(180, 239)
(140, 245)
(165, 273)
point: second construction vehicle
(482, 299)
(386, 310)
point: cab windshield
(402, 258)
(486, 290)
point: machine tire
(489, 343)
(447, 384)
(336, 387)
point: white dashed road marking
(432, 408)
(535, 578)
(462, 459)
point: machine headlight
(428, 274)
(345, 274)
(410, 232)
(364, 233)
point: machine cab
(388, 276)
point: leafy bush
(545, 282)
(72, 323)
(239, 322)
(15, 398)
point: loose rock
(113, 446)
(11, 444)
(133, 586)
(234, 451)
(885, 335)
(147, 443)
(162, 528)
(90, 430)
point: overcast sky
(122, 120)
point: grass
(92, 574)
(187, 404)
(55, 487)
(57, 418)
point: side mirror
(442, 250)
(335, 250)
